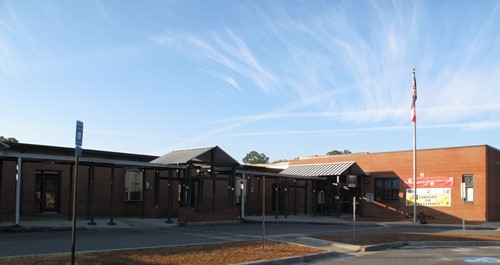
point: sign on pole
(462, 195)
(79, 133)
(78, 153)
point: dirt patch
(372, 239)
(225, 253)
(430, 220)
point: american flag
(413, 110)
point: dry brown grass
(225, 253)
(230, 253)
(372, 239)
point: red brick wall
(296, 201)
(101, 196)
(190, 214)
(493, 184)
(432, 163)
(481, 161)
(8, 193)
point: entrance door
(277, 199)
(47, 190)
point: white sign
(369, 197)
(352, 181)
(436, 197)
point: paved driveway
(29, 243)
(419, 256)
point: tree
(279, 161)
(334, 152)
(255, 158)
(337, 152)
(8, 140)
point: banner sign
(434, 197)
(431, 182)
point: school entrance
(47, 191)
(335, 194)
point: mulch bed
(224, 253)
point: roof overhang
(3, 146)
(200, 156)
(276, 175)
(324, 170)
(85, 159)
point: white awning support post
(242, 190)
(19, 167)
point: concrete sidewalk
(144, 223)
(310, 219)
(56, 225)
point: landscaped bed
(224, 253)
(234, 252)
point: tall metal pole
(242, 198)
(415, 171)
(111, 197)
(92, 191)
(78, 152)
(354, 219)
(73, 229)
(414, 151)
(18, 189)
(263, 211)
(170, 198)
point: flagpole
(414, 150)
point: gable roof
(323, 170)
(197, 155)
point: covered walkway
(51, 170)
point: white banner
(437, 197)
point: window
(387, 189)
(133, 185)
(468, 179)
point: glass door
(47, 191)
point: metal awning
(205, 155)
(64, 155)
(273, 175)
(324, 170)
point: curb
(452, 243)
(296, 259)
(406, 225)
(385, 246)
(399, 244)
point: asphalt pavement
(36, 237)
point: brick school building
(207, 184)
(386, 187)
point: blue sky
(286, 78)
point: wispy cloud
(238, 123)
(102, 11)
(400, 113)
(364, 66)
(226, 49)
(8, 59)
(367, 130)
(228, 79)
